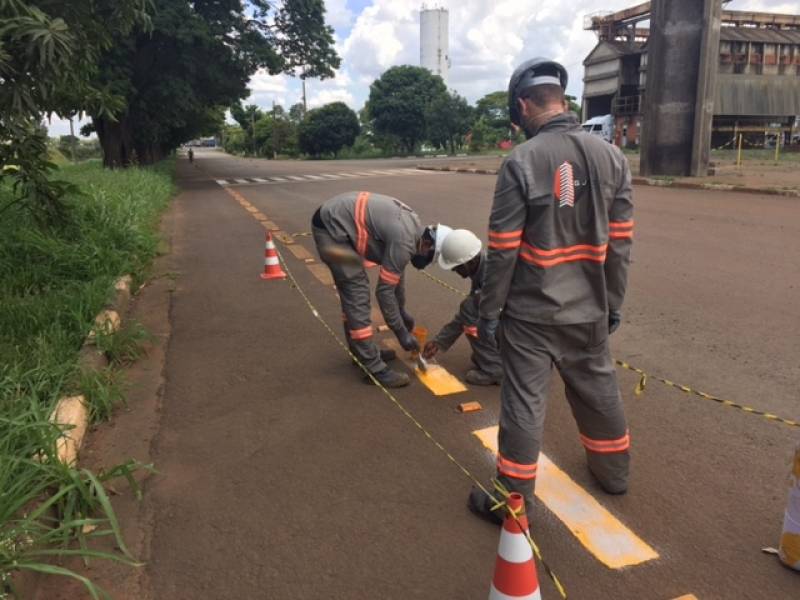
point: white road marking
(277, 179)
(259, 180)
(241, 181)
(222, 182)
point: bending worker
(560, 236)
(462, 252)
(357, 226)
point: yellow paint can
(789, 548)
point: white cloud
(337, 15)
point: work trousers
(581, 354)
(352, 285)
(485, 356)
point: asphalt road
(282, 475)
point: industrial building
(434, 41)
(757, 88)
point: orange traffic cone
(272, 266)
(515, 571)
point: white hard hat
(460, 247)
(442, 231)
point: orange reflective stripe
(362, 235)
(561, 260)
(620, 225)
(361, 334)
(504, 245)
(566, 249)
(504, 235)
(607, 446)
(620, 235)
(389, 277)
(471, 330)
(515, 470)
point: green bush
(53, 281)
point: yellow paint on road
(687, 597)
(322, 273)
(300, 252)
(600, 532)
(284, 237)
(438, 379)
(271, 226)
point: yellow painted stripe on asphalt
(687, 597)
(300, 252)
(438, 379)
(600, 532)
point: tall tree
(448, 118)
(398, 101)
(328, 129)
(48, 62)
(199, 56)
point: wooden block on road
(284, 237)
(468, 407)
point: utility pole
(72, 139)
(253, 127)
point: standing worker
(357, 226)
(462, 253)
(191, 155)
(560, 236)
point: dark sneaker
(478, 377)
(390, 379)
(481, 505)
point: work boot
(478, 377)
(390, 379)
(386, 356)
(481, 506)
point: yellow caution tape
(639, 390)
(640, 387)
(294, 284)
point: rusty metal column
(682, 63)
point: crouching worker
(357, 226)
(462, 252)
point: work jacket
(382, 230)
(560, 230)
(466, 320)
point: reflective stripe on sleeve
(505, 240)
(620, 230)
(389, 277)
(362, 234)
(515, 470)
(607, 446)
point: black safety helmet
(536, 71)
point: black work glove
(408, 341)
(487, 330)
(614, 319)
(408, 320)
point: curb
(683, 185)
(71, 414)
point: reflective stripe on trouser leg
(590, 382)
(352, 285)
(523, 394)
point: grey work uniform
(560, 238)
(484, 355)
(383, 230)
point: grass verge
(52, 283)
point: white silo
(434, 41)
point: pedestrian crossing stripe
(600, 532)
(311, 178)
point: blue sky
(488, 38)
